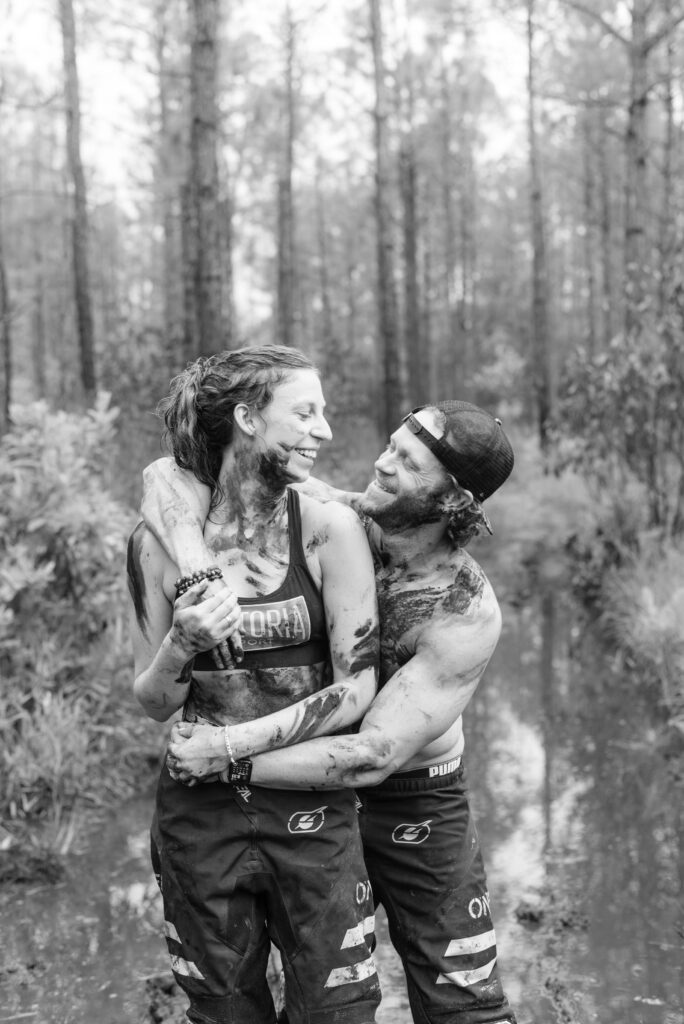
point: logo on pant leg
(412, 835)
(473, 959)
(362, 969)
(179, 965)
(364, 893)
(307, 821)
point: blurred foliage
(538, 518)
(621, 424)
(643, 615)
(71, 735)
(558, 532)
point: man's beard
(405, 512)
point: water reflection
(581, 816)
(587, 830)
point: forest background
(482, 200)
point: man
(440, 623)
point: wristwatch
(239, 772)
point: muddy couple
(321, 647)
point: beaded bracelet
(184, 583)
(229, 749)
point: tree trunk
(606, 235)
(286, 253)
(417, 351)
(468, 191)
(80, 228)
(589, 221)
(451, 341)
(426, 318)
(393, 403)
(205, 325)
(169, 178)
(636, 151)
(38, 333)
(541, 340)
(666, 234)
(350, 272)
(329, 343)
(5, 341)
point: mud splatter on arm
(174, 507)
(136, 579)
(162, 663)
(366, 650)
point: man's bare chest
(404, 612)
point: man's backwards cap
(479, 454)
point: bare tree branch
(577, 5)
(663, 32)
(650, 43)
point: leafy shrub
(644, 610)
(620, 420)
(70, 732)
(536, 516)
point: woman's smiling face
(292, 426)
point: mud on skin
(318, 709)
(247, 694)
(367, 648)
(136, 580)
(317, 540)
(467, 587)
(272, 467)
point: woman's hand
(196, 751)
(202, 620)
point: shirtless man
(440, 623)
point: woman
(239, 866)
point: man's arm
(421, 701)
(321, 491)
(175, 506)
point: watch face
(240, 771)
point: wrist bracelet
(229, 749)
(184, 583)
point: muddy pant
(423, 857)
(238, 868)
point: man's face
(409, 484)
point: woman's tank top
(286, 627)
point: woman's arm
(166, 636)
(348, 590)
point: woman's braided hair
(198, 411)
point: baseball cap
(479, 454)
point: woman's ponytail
(185, 430)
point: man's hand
(228, 653)
(196, 753)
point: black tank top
(286, 627)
